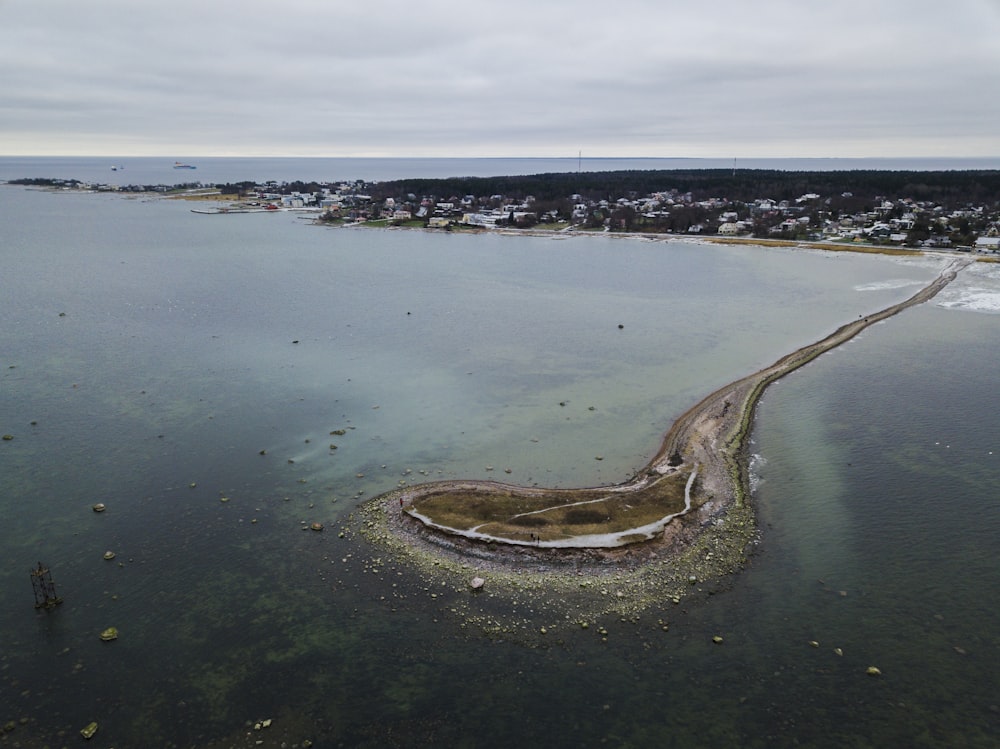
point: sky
(507, 78)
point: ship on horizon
(179, 165)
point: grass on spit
(517, 515)
(207, 194)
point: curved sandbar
(701, 466)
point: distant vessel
(179, 165)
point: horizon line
(728, 158)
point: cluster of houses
(812, 217)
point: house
(988, 244)
(480, 219)
(729, 229)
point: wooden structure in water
(45, 589)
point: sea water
(188, 370)
(151, 170)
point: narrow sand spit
(709, 442)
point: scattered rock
(111, 633)
(89, 730)
(717, 640)
(873, 671)
(99, 507)
(109, 555)
(476, 583)
(316, 526)
(8, 437)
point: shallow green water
(175, 364)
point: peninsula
(697, 479)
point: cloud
(519, 78)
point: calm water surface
(159, 352)
(148, 170)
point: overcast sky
(657, 78)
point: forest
(944, 187)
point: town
(922, 210)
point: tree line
(980, 187)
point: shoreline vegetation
(698, 482)
(945, 209)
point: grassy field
(511, 514)
(206, 194)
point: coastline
(698, 548)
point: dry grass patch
(523, 515)
(205, 195)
